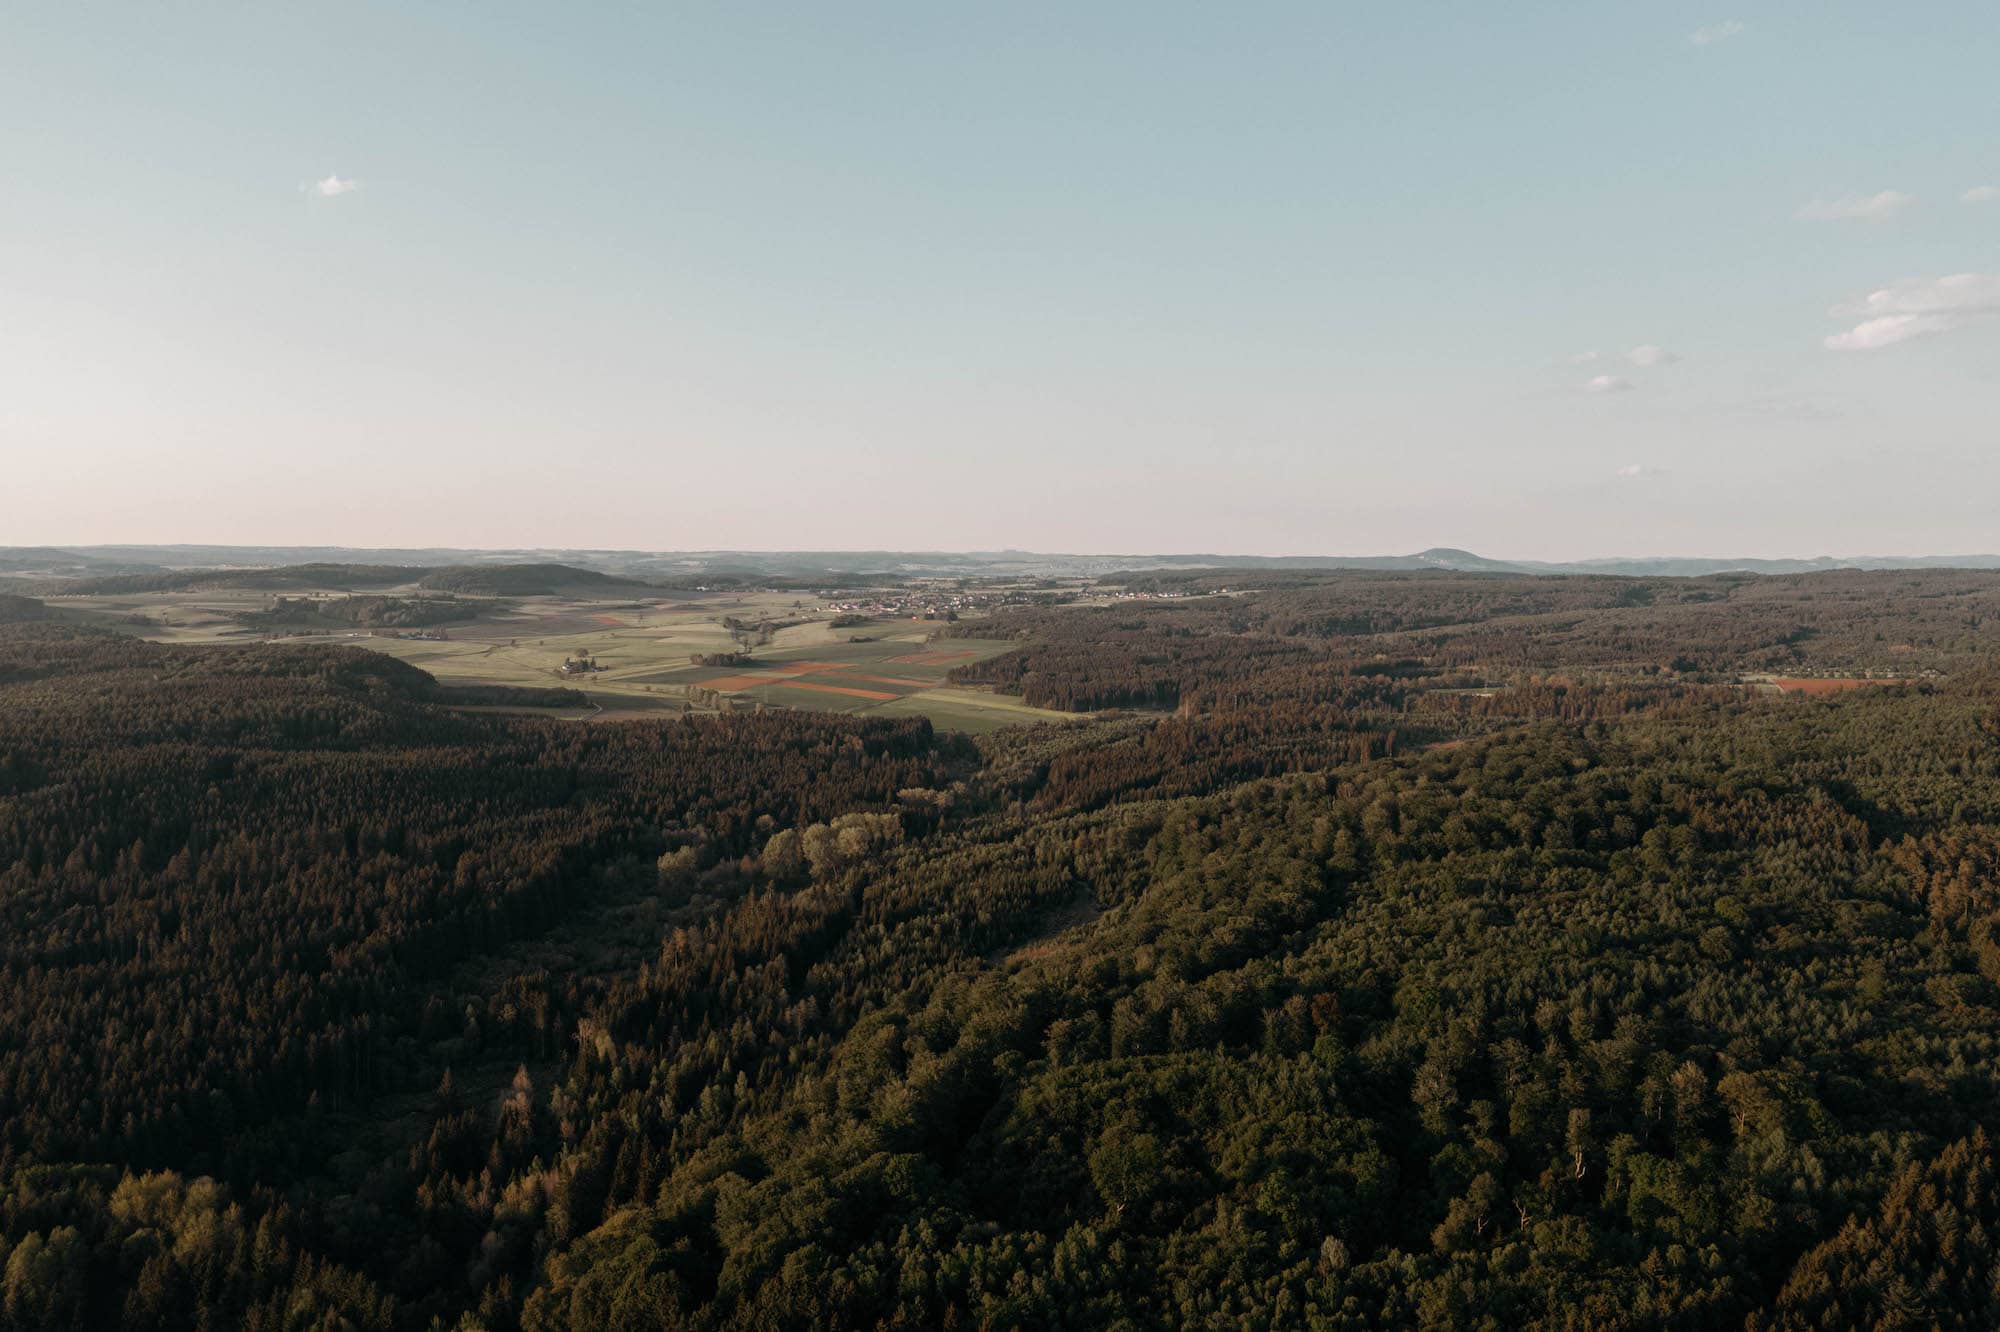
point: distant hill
(518, 580)
(1464, 561)
(1671, 566)
(334, 577)
(49, 562)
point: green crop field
(644, 664)
(974, 710)
(642, 647)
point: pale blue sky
(1277, 278)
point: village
(926, 603)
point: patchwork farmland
(646, 665)
(641, 644)
(851, 676)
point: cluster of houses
(922, 605)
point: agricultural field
(643, 657)
(892, 671)
(641, 644)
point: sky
(1538, 280)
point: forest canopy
(1402, 950)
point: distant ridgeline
(1399, 949)
(363, 612)
(808, 569)
(296, 576)
(496, 580)
(517, 579)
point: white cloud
(334, 186)
(1918, 308)
(1649, 355)
(1857, 208)
(1608, 384)
(1714, 33)
(1982, 194)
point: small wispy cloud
(1918, 308)
(1715, 33)
(1582, 357)
(334, 186)
(1607, 384)
(1648, 355)
(1637, 472)
(1857, 207)
(1982, 194)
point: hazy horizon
(1186, 552)
(1541, 283)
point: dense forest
(360, 612)
(1400, 950)
(15, 609)
(519, 580)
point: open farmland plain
(642, 642)
(885, 669)
(644, 664)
